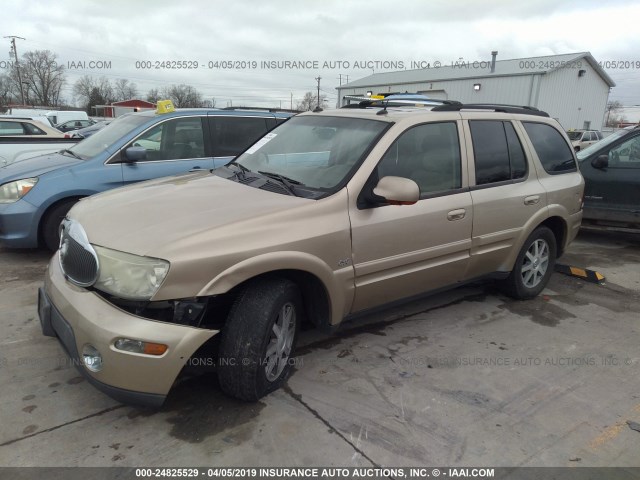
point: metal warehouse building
(572, 87)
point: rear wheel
(51, 224)
(534, 265)
(258, 339)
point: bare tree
(123, 89)
(614, 116)
(42, 78)
(182, 96)
(310, 101)
(92, 91)
(153, 95)
(6, 88)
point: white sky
(123, 32)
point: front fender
(338, 284)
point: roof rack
(496, 107)
(266, 109)
(382, 103)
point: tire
(533, 267)
(51, 224)
(253, 360)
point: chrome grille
(78, 260)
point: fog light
(138, 346)
(92, 358)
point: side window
(428, 154)
(31, 129)
(626, 155)
(173, 140)
(498, 152)
(11, 128)
(231, 135)
(553, 152)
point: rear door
(176, 145)
(505, 193)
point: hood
(36, 166)
(153, 217)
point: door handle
(456, 214)
(531, 200)
(195, 169)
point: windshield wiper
(240, 166)
(288, 183)
(73, 154)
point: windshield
(316, 151)
(99, 141)
(582, 154)
(574, 135)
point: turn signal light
(138, 346)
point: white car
(581, 139)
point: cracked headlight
(11, 192)
(128, 276)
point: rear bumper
(79, 317)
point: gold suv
(331, 214)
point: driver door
(401, 251)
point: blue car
(36, 194)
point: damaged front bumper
(79, 317)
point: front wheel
(51, 224)
(534, 265)
(258, 338)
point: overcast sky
(205, 32)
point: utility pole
(291, 104)
(318, 79)
(15, 55)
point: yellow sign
(165, 106)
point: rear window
(554, 153)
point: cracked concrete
(467, 377)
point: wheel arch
(323, 298)
(50, 208)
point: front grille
(77, 258)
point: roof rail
(266, 109)
(382, 103)
(496, 107)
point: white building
(572, 87)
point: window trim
(116, 158)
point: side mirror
(398, 190)
(135, 154)
(600, 162)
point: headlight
(129, 276)
(13, 191)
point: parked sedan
(581, 139)
(87, 131)
(74, 125)
(611, 170)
